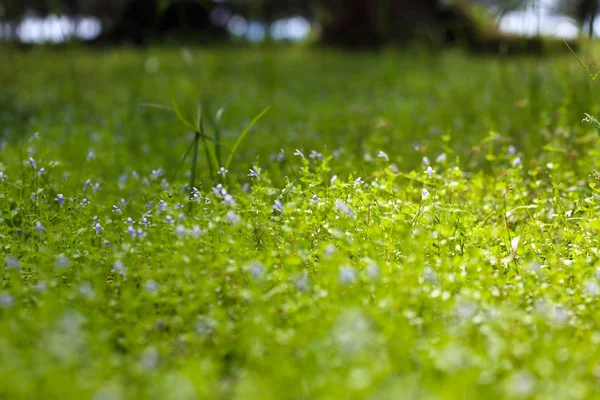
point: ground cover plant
(397, 225)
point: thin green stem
(194, 164)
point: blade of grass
(179, 114)
(243, 135)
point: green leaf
(241, 138)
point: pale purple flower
(512, 150)
(180, 230)
(229, 200)
(344, 208)
(86, 184)
(178, 206)
(32, 162)
(315, 154)
(36, 135)
(298, 153)
(278, 205)
(135, 175)
(2, 177)
(232, 217)
(96, 187)
(347, 275)
(169, 219)
(197, 231)
(157, 173)
(181, 216)
(517, 162)
(333, 179)
(358, 181)
(145, 221)
(6, 300)
(39, 227)
(383, 155)
(11, 263)
(426, 161)
(123, 202)
(441, 158)
(85, 202)
(119, 268)
(116, 209)
(141, 233)
(314, 198)
(253, 174)
(132, 232)
(162, 205)
(151, 286)
(42, 171)
(98, 228)
(219, 190)
(223, 171)
(130, 221)
(165, 184)
(424, 193)
(60, 198)
(196, 195)
(256, 269)
(207, 201)
(430, 171)
(90, 155)
(123, 178)
(62, 261)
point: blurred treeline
(344, 22)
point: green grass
(346, 270)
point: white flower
(347, 275)
(223, 171)
(441, 158)
(430, 171)
(425, 193)
(253, 174)
(383, 155)
(278, 205)
(298, 153)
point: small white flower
(298, 153)
(426, 161)
(425, 193)
(116, 209)
(2, 177)
(430, 171)
(253, 174)
(32, 162)
(358, 181)
(98, 228)
(441, 158)
(517, 162)
(333, 179)
(85, 202)
(90, 155)
(223, 171)
(383, 155)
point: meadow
(397, 225)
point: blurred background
(480, 24)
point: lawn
(398, 225)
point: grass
(414, 226)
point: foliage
(397, 226)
